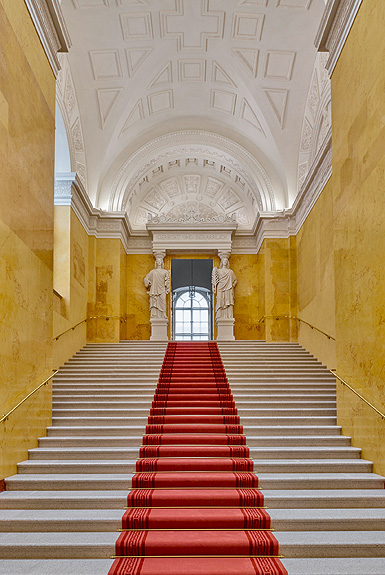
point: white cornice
(49, 22)
(69, 191)
(334, 29)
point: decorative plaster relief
(129, 3)
(106, 64)
(176, 24)
(279, 64)
(317, 118)
(163, 77)
(223, 101)
(192, 70)
(136, 115)
(248, 114)
(107, 99)
(249, 59)
(137, 26)
(77, 136)
(69, 95)
(297, 4)
(262, 3)
(278, 100)
(90, 3)
(171, 187)
(220, 76)
(248, 26)
(135, 58)
(192, 184)
(228, 200)
(155, 200)
(213, 186)
(160, 101)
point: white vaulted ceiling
(177, 106)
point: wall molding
(70, 191)
(334, 29)
(50, 25)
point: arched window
(191, 314)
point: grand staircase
(61, 513)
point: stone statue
(158, 282)
(224, 282)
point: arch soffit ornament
(182, 145)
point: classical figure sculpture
(158, 283)
(223, 282)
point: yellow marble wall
(247, 306)
(315, 266)
(138, 311)
(104, 290)
(359, 226)
(278, 258)
(27, 128)
(71, 282)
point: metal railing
(333, 371)
(295, 318)
(6, 416)
(106, 317)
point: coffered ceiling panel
(192, 104)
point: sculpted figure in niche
(224, 282)
(158, 283)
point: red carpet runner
(195, 507)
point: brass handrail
(294, 317)
(106, 317)
(333, 371)
(6, 416)
(70, 329)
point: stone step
(256, 430)
(246, 413)
(271, 480)
(274, 499)
(101, 545)
(266, 420)
(92, 453)
(308, 566)
(133, 441)
(92, 466)
(96, 520)
(131, 402)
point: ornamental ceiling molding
(68, 104)
(317, 118)
(69, 191)
(135, 167)
(334, 29)
(50, 25)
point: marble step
(308, 566)
(128, 401)
(132, 411)
(256, 430)
(98, 545)
(92, 453)
(266, 420)
(133, 441)
(96, 520)
(274, 499)
(108, 466)
(122, 481)
(149, 389)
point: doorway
(191, 300)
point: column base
(159, 329)
(225, 329)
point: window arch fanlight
(192, 314)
